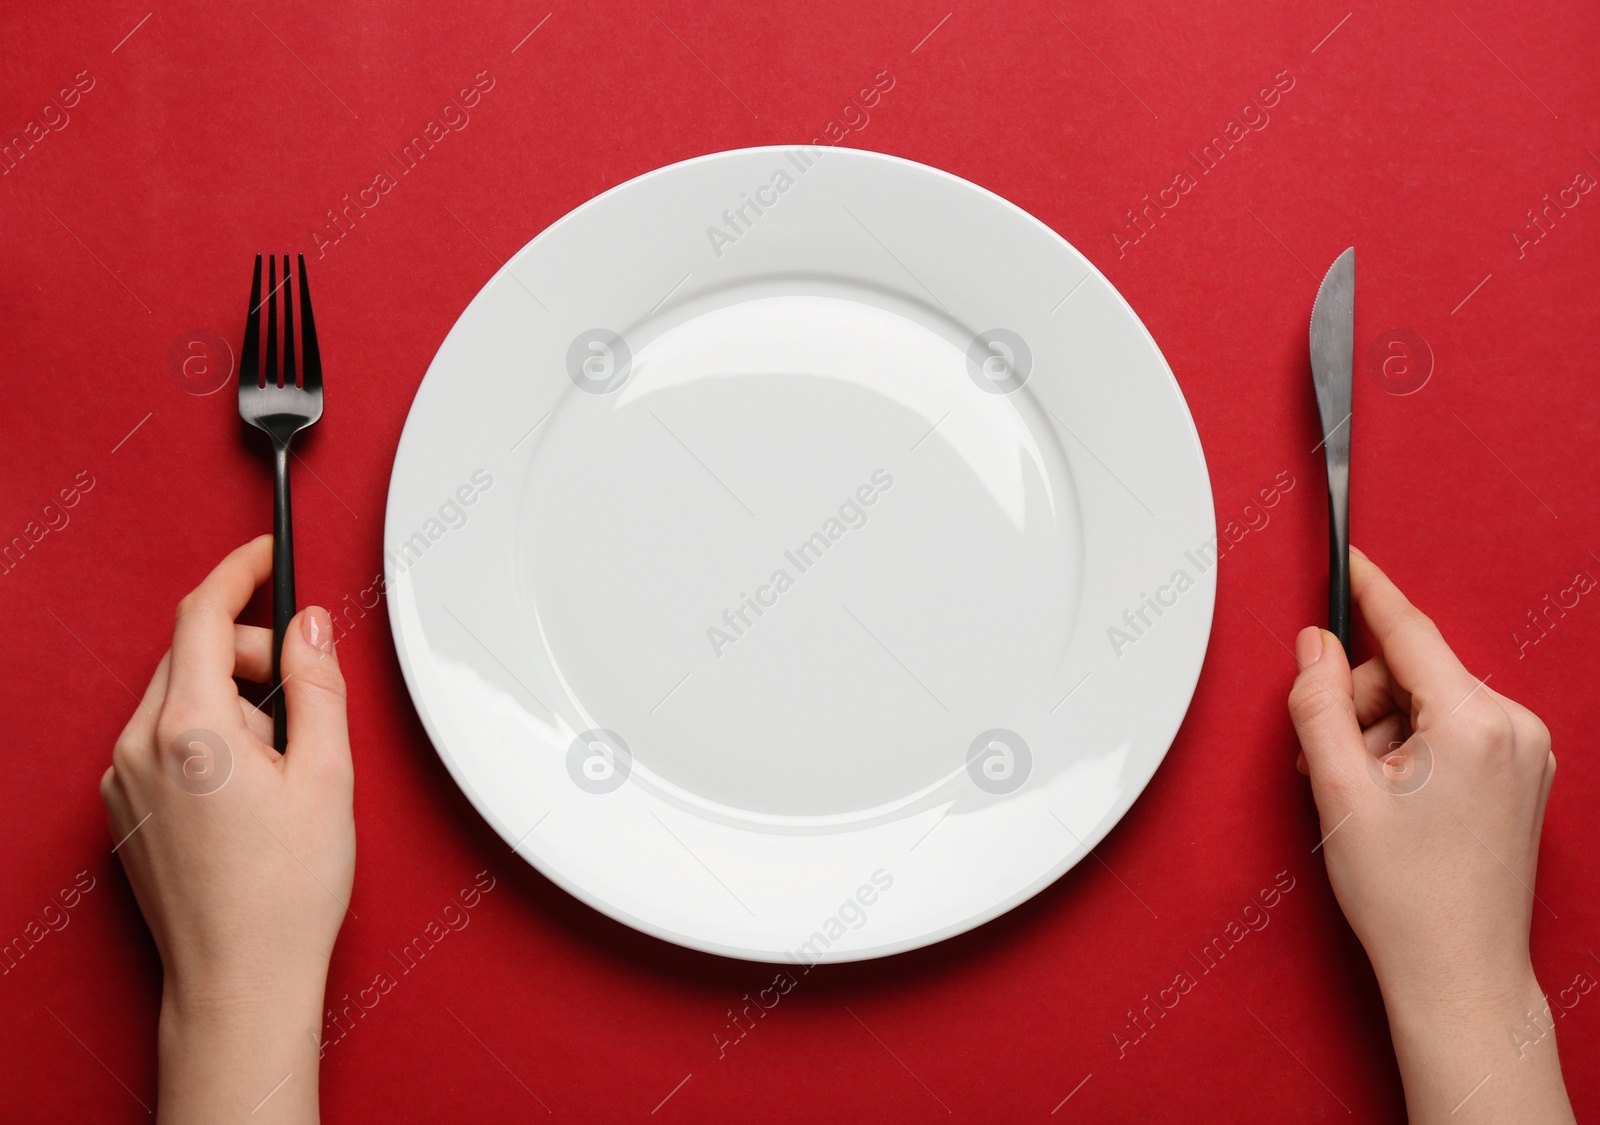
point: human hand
(1431, 790)
(242, 859)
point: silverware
(1332, 359)
(280, 405)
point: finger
(1387, 735)
(252, 653)
(111, 795)
(1374, 691)
(1544, 788)
(257, 722)
(1418, 658)
(314, 692)
(252, 660)
(114, 796)
(203, 639)
(141, 727)
(1321, 705)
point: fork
(278, 404)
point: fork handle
(282, 588)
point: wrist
(228, 1049)
(1461, 996)
(1449, 1044)
(1443, 1025)
(218, 998)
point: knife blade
(1332, 362)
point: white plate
(979, 648)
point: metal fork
(278, 404)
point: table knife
(1332, 359)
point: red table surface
(200, 135)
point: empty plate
(800, 554)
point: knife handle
(1339, 598)
(1339, 559)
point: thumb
(1322, 706)
(314, 692)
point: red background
(1420, 133)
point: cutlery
(1332, 358)
(280, 404)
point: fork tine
(288, 327)
(272, 321)
(250, 357)
(310, 357)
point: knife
(1332, 358)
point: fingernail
(1300, 764)
(1308, 646)
(318, 629)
